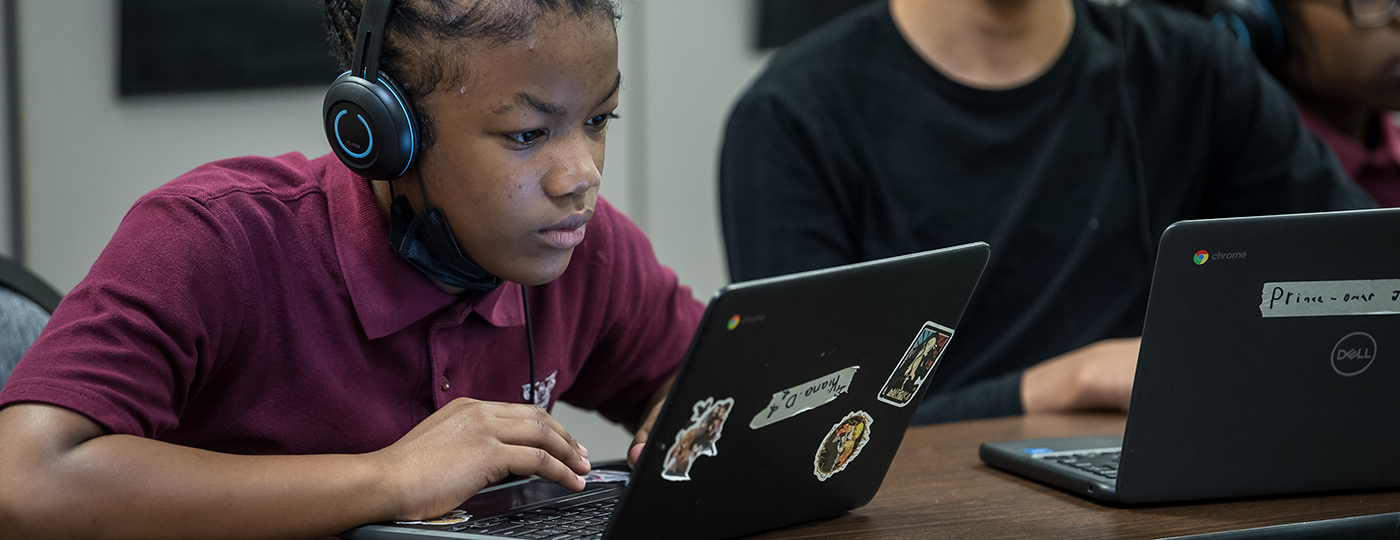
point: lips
(568, 232)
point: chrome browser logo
(1201, 257)
(733, 322)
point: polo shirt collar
(1353, 155)
(387, 292)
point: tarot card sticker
(451, 518)
(917, 364)
(842, 444)
(707, 417)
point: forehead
(563, 57)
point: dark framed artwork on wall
(170, 46)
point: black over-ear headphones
(1256, 23)
(369, 123)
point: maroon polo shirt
(1376, 170)
(254, 306)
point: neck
(1353, 121)
(385, 191)
(989, 44)
(385, 197)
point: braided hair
(426, 40)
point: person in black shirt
(1066, 134)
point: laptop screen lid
(1270, 358)
(789, 406)
(795, 395)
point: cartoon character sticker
(842, 444)
(918, 363)
(707, 417)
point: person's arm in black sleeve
(999, 396)
(782, 208)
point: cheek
(1337, 54)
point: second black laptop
(1269, 365)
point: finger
(644, 431)
(538, 432)
(536, 413)
(526, 461)
(640, 438)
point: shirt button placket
(436, 352)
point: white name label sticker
(804, 397)
(1330, 298)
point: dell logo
(1353, 354)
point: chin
(539, 272)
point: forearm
(119, 486)
(1096, 376)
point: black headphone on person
(369, 123)
(1255, 23)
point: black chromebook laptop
(1270, 364)
(789, 406)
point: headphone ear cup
(1255, 23)
(370, 126)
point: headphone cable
(1134, 146)
(529, 343)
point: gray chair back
(26, 301)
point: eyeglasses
(1371, 13)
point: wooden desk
(938, 488)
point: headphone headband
(369, 38)
(369, 124)
(1256, 24)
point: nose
(577, 168)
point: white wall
(90, 154)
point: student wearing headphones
(1340, 60)
(289, 347)
(1068, 134)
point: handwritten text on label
(1324, 298)
(804, 397)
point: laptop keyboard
(560, 521)
(1103, 464)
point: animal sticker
(707, 417)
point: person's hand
(639, 439)
(470, 444)
(1096, 376)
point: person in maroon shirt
(1340, 61)
(1344, 73)
(251, 357)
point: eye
(527, 138)
(601, 121)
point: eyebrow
(526, 100)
